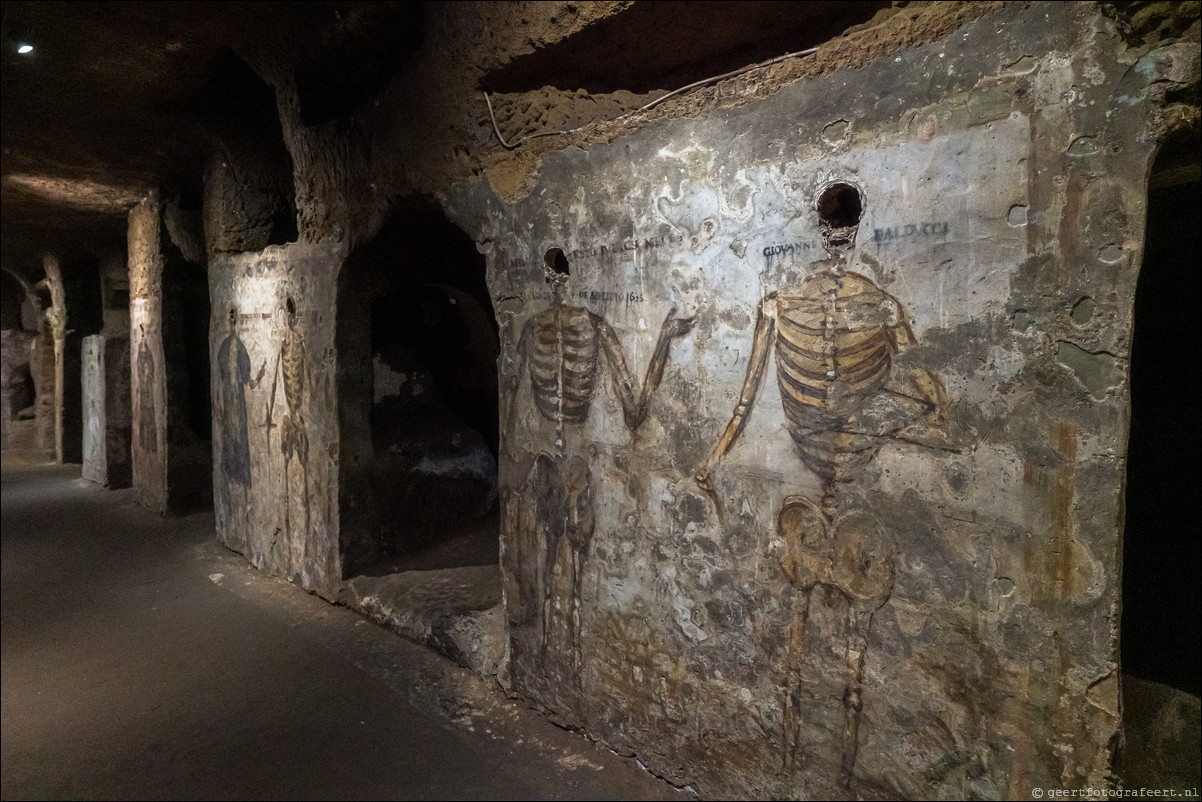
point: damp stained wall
(898, 571)
(275, 433)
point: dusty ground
(142, 660)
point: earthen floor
(141, 659)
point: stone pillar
(275, 417)
(106, 411)
(148, 379)
(57, 315)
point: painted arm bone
(512, 380)
(757, 363)
(635, 410)
(275, 376)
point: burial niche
(417, 345)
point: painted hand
(678, 326)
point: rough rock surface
(456, 611)
(893, 571)
(17, 399)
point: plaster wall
(275, 433)
(907, 584)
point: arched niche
(417, 396)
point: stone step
(455, 611)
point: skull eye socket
(557, 262)
(291, 307)
(840, 206)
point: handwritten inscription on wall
(880, 236)
(883, 236)
(784, 249)
(626, 246)
(592, 296)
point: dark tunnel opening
(1160, 636)
(85, 317)
(189, 403)
(418, 345)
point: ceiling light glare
(24, 48)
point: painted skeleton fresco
(274, 411)
(892, 570)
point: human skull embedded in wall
(555, 268)
(839, 207)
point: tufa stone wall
(18, 396)
(814, 417)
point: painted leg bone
(841, 560)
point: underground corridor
(600, 400)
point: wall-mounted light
(24, 48)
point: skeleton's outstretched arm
(932, 430)
(254, 383)
(513, 379)
(757, 363)
(275, 376)
(635, 410)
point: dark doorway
(189, 403)
(85, 317)
(1160, 625)
(417, 345)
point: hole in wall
(839, 209)
(557, 262)
(840, 206)
(24, 396)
